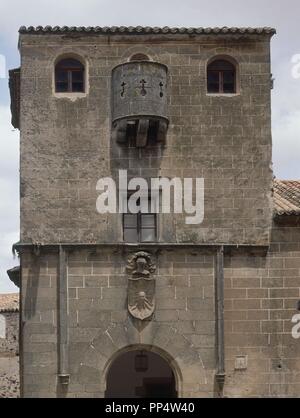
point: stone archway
(140, 373)
(165, 340)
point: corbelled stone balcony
(139, 102)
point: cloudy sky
(283, 15)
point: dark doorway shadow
(140, 374)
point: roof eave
(141, 30)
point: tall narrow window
(140, 227)
(221, 77)
(69, 76)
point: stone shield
(141, 300)
(141, 285)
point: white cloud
(286, 146)
(9, 196)
(286, 119)
(14, 13)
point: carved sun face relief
(140, 264)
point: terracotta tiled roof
(9, 302)
(145, 30)
(287, 197)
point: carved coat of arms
(141, 285)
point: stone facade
(75, 259)
(9, 349)
(66, 144)
(99, 323)
(261, 296)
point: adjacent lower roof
(9, 302)
(287, 197)
(144, 30)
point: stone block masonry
(261, 296)
(9, 355)
(99, 322)
(225, 140)
(76, 318)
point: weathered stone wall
(183, 325)
(262, 294)
(9, 344)
(9, 357)
(66, 145)
(9, 377)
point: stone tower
(106, 295)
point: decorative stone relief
(241, 363)
(141, 285)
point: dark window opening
(221, 77)
(69, 76)
(140, 227)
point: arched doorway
(140, 374)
